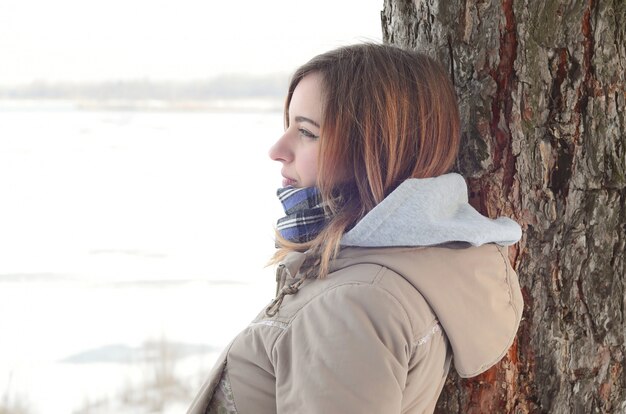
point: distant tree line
(233, 86)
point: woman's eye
(307, 133)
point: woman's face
(298, 148)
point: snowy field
(132, 249)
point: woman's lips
(288, 181)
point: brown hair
(388, 114)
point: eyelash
(308, 133)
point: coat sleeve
(346, 351)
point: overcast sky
(86, 40)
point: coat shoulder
(369, 287)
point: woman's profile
(386, 276)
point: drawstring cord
(272, 309)
(287, 269)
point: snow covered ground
(132, 249)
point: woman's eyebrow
(305, 119)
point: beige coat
(378, 335)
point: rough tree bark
(541, 87)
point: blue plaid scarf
(305, 216)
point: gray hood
(427, 212)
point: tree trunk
(542, 95)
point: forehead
(307, 98)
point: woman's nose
(280, 151)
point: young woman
(385, 273)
